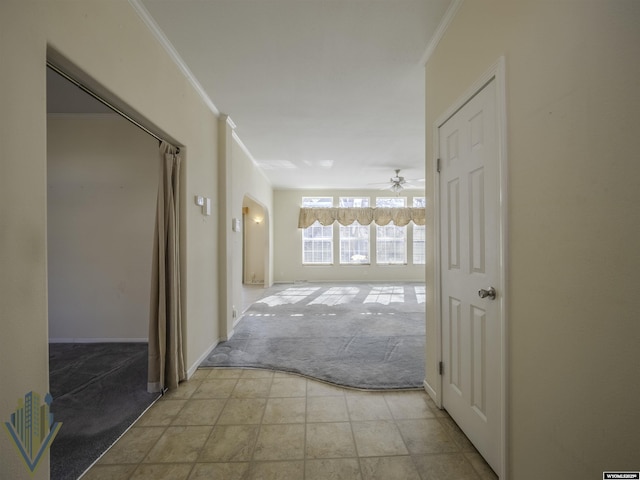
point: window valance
(400, 216)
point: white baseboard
(431, 392)
(98, 340)
(206, 353)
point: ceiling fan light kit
(397, 183)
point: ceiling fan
(398, 183)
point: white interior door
(470, 262)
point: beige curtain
(166, 359)
(364, 216)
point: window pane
(391, 244)
(354, 202)
(317, 240)
(317, 244)
(419, 235)
(419, 256)
(390, 202)
(317, 202)
(354, 244)
(391, 241)
(354, 238)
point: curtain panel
(364, 216)
(166, 357)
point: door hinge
(441, 368)
(438, 165)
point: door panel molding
(496, 72)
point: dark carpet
(99, 390)
(368, 336)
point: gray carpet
(99, 390)
(369, 336)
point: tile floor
(237, 424)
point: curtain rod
(105, 102)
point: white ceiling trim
(143, 13)
(447, 18)
(248, 153)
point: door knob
(491, 293)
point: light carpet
(368, 336)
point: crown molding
(446, 20)
(151, 24)
(244, 148)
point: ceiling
(324, 93)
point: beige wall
(247, 181)
(573, 113)
(102, 184)
(288, 244)
(255, 242)
(239, 178)
(106, 44)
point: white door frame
(497, 72)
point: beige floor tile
(426, 436)
(480, 466)
(214, 373)
(291, 470)
(278, 374)
(288, 387)
(230, 443)
(404, 405)
(215, 388)
(280, 442)
(161, 413)
(434, 409)
(162, 472)
(261, 434)
(200, 412)
(109, 472)
(367, 407)
(199, 374)
(184, 390)
(333, 469)
(448, 466)
(327, 409)
(389, 468)
(219, 471)
(256, 373)
(321, 389)
(330, 440)
(252, 388)
(285, 410)
(178, 444)
(240, 411)
(133, 446)
(378, 438)
(460, 439)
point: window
(354, 238)
(419, 232)
(391, 241)
(317, 240)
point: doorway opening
(102, 181)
